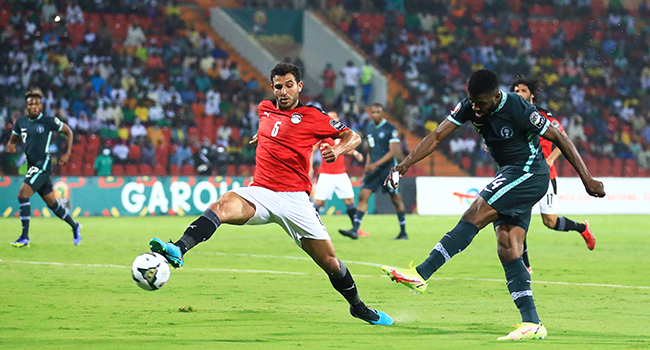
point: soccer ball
(150, 271)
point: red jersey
(547, 146)
(335, 167)
(285, 141)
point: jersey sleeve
(55, 124)
(325, 126)
(535, 121)
(461, 113)
(394, 135)
(16, 130)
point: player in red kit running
(279, 194)
(527, 89)
(333, 178)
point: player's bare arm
(428, 144)
(394, 151)
(11, 145)
(594, 187)
(553, 157)
(349, 141)
(68, 139)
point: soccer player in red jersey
(333, 178)
(279, 194)
(527, 89)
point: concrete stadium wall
(453, 195)
(321, 45)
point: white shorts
(291, 210)
(546, 204)
(333, 183)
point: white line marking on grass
(305, 273)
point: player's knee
(225, 206)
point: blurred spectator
(329, 80)
(148, 153)
(351, 76)
(121, 152)
(104, 163)
(367, 72)
(183, 155)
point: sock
(199, 231)
(344, 284)
(519, 287)
(357, 220)
(401, 218)
(564, 224)
(63, 214)
(25, 212)
(352, 210)
(454, 242)
(525, 255)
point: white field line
(304, 273)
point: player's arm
(11, 144)
(311, 161)
(594, 187)
(427, 145)
(553, 156)
(349, 141)
(68, 139)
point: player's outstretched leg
(588, 236)
(453, 242)
(343, 282)
(198, 231)
(25, 215)
(356, 223)
(566, 224)
(62, 214)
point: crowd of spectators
(133, 74)
(593, 60)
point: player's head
(377, 112)
(33, 99)
(333, 115)
(483, 88)
(526, 88)
(286, 85)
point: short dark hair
(35, 92)
(284, 69)
(483, 81)
(534, 85)
(377, 104)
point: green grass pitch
(250, 287)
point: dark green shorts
(375, 180)
(39, 180)
(513, 193)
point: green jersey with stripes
(510, 132)
(36, 135)
(379, 139)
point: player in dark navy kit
(383, 143)
(527, 89)
(35, 131)
(510, 127)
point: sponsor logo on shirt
(537, 119)
(296, 118)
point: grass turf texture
(55, 295)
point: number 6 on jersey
(276, 128)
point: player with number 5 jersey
(281, 186)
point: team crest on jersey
(537, 119)
(337, 125)
(506, 132)
(296, 118)
(40, 129)
(381, 135)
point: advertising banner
(137, 196)
(453, 195)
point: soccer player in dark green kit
(35, 131)
(383, 142)
(510, 127)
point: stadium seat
(188, 170)
(159, 170)
(145, 169)
(64, 170)
(135, 153)
(88, 170)
(132, 170)
(117, 170)
(174, 170)
(604, 167)
(232, 170)
(75, 169)
(617, 167)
